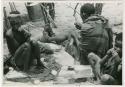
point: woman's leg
(108, 80)
(94, 61)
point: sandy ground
(65, 20)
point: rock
(67, 74)
(63, 58)
(61, 80)
(15, 74)
(83, 71)
(54, 72)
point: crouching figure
(21, 47)
(109, 68)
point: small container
(35, 81)
(70, 68)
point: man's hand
(77, 25)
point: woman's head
(118, 40)
(118, 43)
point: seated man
(95, 33)
(21, 47)
(109, 68)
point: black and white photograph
(62, 43)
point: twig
(73, 9)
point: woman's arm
(104, 59)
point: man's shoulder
(96, 18)
(87, 26)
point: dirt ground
(65, 21)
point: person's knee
(91, 55)
(8, 34)
(107, 80)
(94, 57)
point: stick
(73, 9)
(75, 12)
(14, 6)
(51, 20)
(11, 7)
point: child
(108, 69)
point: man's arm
(24, 29)
(11, 42)
(110, 34)
(75, 37)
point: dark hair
(119, 36)
(15, 20)
(88, 9)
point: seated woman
(109, 68)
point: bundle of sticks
(13, 8)
(47, 17)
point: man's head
(15, 21)
(86, 10)
(118, 43)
